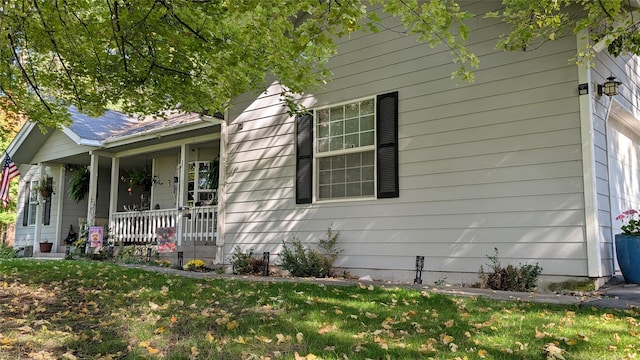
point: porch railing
(141, 227)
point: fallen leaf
(152, 350)
(553, 352)
(482, 353)
(299, 337)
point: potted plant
(45, 246)
(143, 178)
(79, 184)
(628, 246)
(44, 187)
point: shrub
(244, 263)
(7, 252)
(303, 261)
(509, 278)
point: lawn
(95, 310)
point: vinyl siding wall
(495, 164)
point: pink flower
(620, 217)
(630, 212)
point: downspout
(593, 256)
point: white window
(348, 151)
(32, 203)
(345, 150)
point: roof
(113, 125)
(110, 130)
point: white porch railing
(140, 227)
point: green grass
(94, 310)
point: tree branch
(26, 76)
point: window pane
(337, 113)
(367, 188)
(323, 115)
(367, 158)
(353, 160)
(366, 107)
(325, 163)
(351, 126)
(366, 138)
(337, 176)
(323, 129)
(351, 141)
(325, 192)
(337, 128)
(352, 110)
(367, 173)
(337, 143)
(324, 177)
(366, 123)
(353, 175)
(323, 145)
(353, 189)
(337, 191)
(338, 162)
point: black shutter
(304, 158)
(387, 142)
(25, 211)
(46, 214)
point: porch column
(182, 188)
(222, 190)
(113, 192)
(38, 228)
(93, 188)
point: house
(531, 159)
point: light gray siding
(494, 164)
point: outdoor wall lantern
(186, 212)
(610, 87)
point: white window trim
(318, 155)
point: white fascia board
(79, 140)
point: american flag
(9, 171)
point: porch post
(113, 192)
(182, 181)
(93, 189)
(222, 190)
(38, 228)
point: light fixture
(186, 212)
(610, 87)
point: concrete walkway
(616, 294)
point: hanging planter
(142, 178)
(45, 187)
(79, 184)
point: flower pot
(628, 255)
(46, 247)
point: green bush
(509, 278)
(244, 263)
(7, 252)
(303, 261)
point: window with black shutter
(356, 151)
